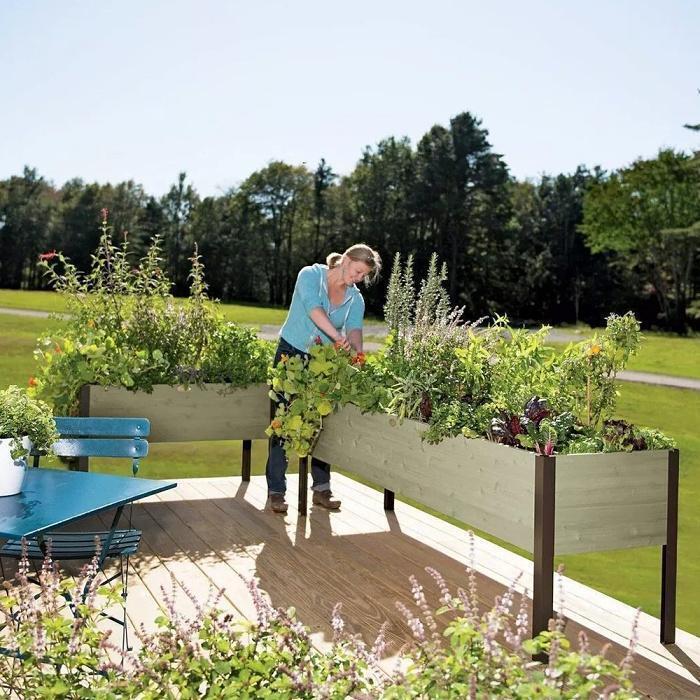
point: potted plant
(24, 423)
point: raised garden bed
(545, 505)
(209, 412)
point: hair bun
(333, 259)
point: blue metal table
(52, 498)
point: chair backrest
(102, 437)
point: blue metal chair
(84, 438)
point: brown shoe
(277, 503)
(325, 499)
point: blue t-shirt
(311, 292)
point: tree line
(562, 249)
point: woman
(326, 305)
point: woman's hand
(342, 343)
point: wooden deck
(217, 531)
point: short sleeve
(356, 314)
(310, 289)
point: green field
(18, 336)
(664, 354)
(50, 301)
(631, 575)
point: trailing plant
(124, 328)
(23, 416)
(308, 389)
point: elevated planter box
(545, 505)
(209, 412)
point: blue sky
(127, 89)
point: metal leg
(388, 500)
(669, 555)
(303, 483)
(543, 550)
(124, 563)
(245, 460)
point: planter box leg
(543, 550)
(303, 483)
(669, 555)
(388, 500)
(245, 459)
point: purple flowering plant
(457, 651)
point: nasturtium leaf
(294, 423)
(296, 408)
(324, 407)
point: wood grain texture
(486, 485)
(611, 501)
(603, 501)
(206, 413)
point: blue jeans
(277, 463)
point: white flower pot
(12, 471)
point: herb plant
(457, 652)
(22, 415)
(124, 328)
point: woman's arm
(320, 318)
(355, 339)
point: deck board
(216, 532)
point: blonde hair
(359, 252)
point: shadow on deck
(218, 532)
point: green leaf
(324, 407)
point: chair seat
(75, 545)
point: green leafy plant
(470, 660)
(312, 388)
(588, 369)
(124, 328)
(23, 416)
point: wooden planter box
(210, 412)
(545, 505)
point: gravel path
(24, 312)
(270, 332)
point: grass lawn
(18, 336)
(38, 301)
(252, 314)
(663, 354)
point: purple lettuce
(536, 410)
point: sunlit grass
(663, 354)
(37, 301)
(18, 336)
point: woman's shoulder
(357, 294)
(315, 269)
